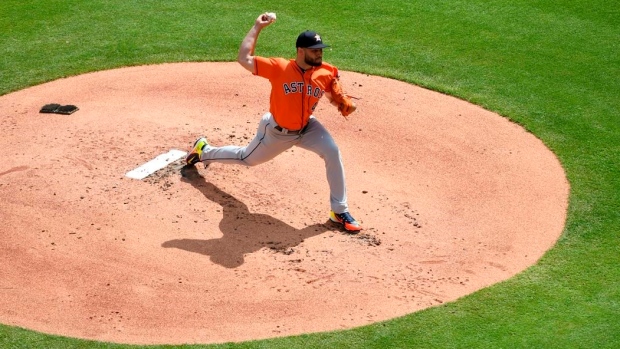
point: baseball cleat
(348, 222)
(194, 155)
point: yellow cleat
(196, 153)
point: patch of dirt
(368, 239)
(165, 177)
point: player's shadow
(243, 232)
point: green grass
(551, 66)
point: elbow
(247, 62)
(241, 58)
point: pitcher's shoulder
(331, 69)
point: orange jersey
(294, 93)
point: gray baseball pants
(270, 142)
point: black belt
(290, 132)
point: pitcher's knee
(251, 162)
(333, 154)
(255, 160)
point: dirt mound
(453, 198)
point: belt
(290, 132)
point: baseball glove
(344, 102)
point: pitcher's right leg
(263, 147)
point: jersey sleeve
(333, 74)
(267, 67)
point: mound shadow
(243, 232)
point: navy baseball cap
(310, 39)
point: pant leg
(318, 140)
(265, 146)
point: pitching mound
(453, 198)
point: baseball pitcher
(297, 85)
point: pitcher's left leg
(318, 140)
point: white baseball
(271, 16)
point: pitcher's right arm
(246, 51)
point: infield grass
(551, 66)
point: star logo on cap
(317, 37)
